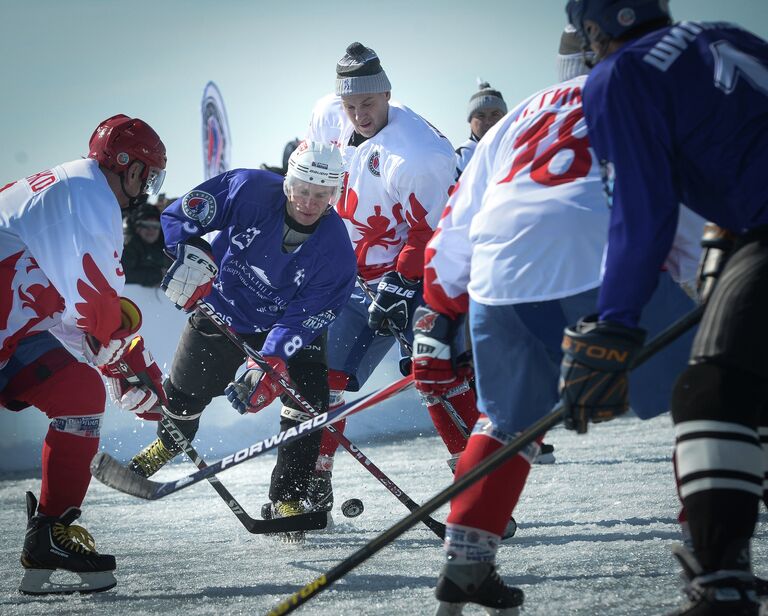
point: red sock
(488, 503)
(465, 404)
(66, 471)
(337, 381)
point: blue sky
(67, 64)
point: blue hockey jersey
(677, 116)
(259, 287)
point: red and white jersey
(396, 185)
(60, 245)
(528, 220)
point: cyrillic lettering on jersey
(41, 181)
(663, 54)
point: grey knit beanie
(485, 98)
(359, 72)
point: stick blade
(113, 474)
(314, 520)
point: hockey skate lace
(154, 457)
(74, 538)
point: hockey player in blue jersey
(679, 114)
(278, 273)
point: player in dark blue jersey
(679, 114)
(278, 272)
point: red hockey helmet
(120, 140)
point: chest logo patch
(373, 163)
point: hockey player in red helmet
(119, 143)
(60, 271)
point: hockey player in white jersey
(60, 245)
(519, 247)
(400, 170)
(485, 108)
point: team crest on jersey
(373, 163)
(243, 239)
(200, 206)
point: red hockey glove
(435, 370)
(191, 275)
(594, 374)
(101, 354)
(134, 382)
(255, 390)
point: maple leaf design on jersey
(100, 310)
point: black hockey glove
(594, 374)
(393, 304)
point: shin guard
(719, 461)
(488, 503)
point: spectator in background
(486, 107)
(287, 151)
(144, 260)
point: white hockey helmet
(316, 163)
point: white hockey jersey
(528, 220)
(396, 185)
(60, 245)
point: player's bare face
(482, 121)
(367, 112)
(308, 202)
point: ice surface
(594, 536)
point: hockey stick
(406, 346)
(489, 464)
(436, 527)
(113, 474)
(305, 521)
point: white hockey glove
(99, 354)
(191, 275)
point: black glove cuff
(602, 345)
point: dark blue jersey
(677, 116)
(260, 287)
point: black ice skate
(546, 454)
(284, 509)
(52, 544)
(320, 491)
(151, 459)
(478, 583)
(718, 593)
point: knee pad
(484, 427)
(180, 405)
(711, 391)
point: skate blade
(292, 538)
(547, 458)
(38, 582)
(506, 611)
(449, 609)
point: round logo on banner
(200, 206)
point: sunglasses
(148, 225)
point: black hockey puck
(266, 511)
(352, 508)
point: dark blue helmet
(615, 17)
